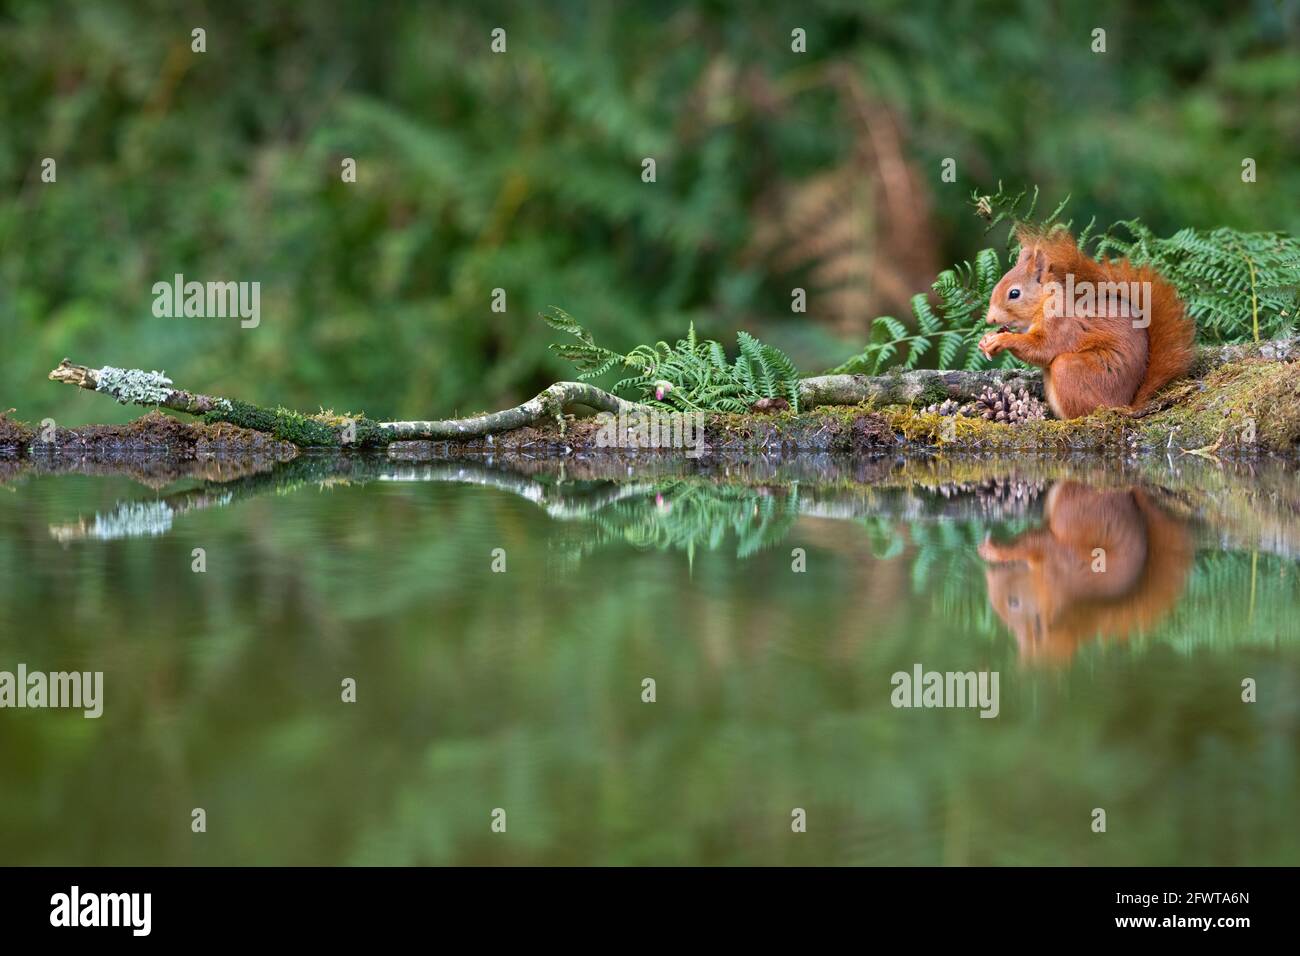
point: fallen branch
(904, 388)
(549, 403)
(132, 386)
(154, 389)
(930, 385)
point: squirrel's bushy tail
(1170, 336)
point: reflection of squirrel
(1043, 584)
(1093, 355)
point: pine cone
(946, 407)
(1001, 493)
(1009, 405)
(953, 489)
(768, 406)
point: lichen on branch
(133, 386)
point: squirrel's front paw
(992, 343)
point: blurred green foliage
(522, 171)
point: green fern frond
(701, 377)
(1238, 286)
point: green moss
(305, 431)
(933, 394)
(1104, 430)
(1217, 412)
(1224, 408)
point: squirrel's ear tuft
(1040, 265)
(1027, 235)
(1060, 253)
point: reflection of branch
(133, 518)
(556, 500)
(137, 519)
(1255, 508)
(153, 471)
(1206, 451)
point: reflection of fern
(942, 551)
(943, 562)
(683, 515)
(701, 377)
(1238, 286)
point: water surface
(522, 689)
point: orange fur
(1095, 358)
(1043, 586)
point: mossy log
(153, 389)
(1239, 398)
(919, 386)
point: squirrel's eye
(1013, 294)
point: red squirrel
(1048, 589)
(1107, 334)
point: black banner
(336, 905)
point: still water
(771, 603)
